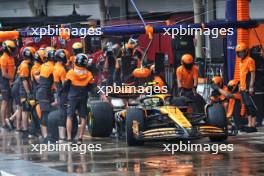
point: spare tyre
(100, 119)
(54, 119)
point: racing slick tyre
(137, 115)
(54, 119)
(101, 120)
(216, 116)
(53, 122)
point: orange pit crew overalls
(24, 74)
(59, 75)
(234, 109)
(186, 77)
(44, 93)
(79, 80)
(35, 72)
(7, 63)
(247, 65)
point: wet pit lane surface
(116, 158)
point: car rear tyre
(137, 115)
(216, 116)
(100, 120)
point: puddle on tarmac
(115, 158)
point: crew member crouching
(234, 110)
(215, 95)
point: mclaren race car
(160, 117)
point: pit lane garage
(123, 124)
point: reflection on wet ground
(117, 159)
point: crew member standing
(44, 93)
(187, 76)
(7, 73)
(125, 64)
(25, 90)
(247, 80)
(59, 76)
(78, 81)
(77, 48)
(35, 70)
